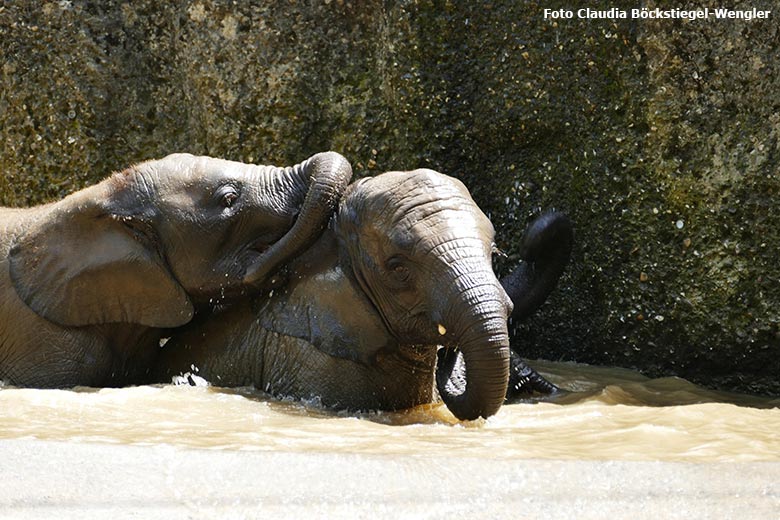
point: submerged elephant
(404, 267)
(93, 281)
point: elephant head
(421, 250)
(151, 243)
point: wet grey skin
(403, 270)
(94, 281)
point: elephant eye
(229, 198)
(227, 195)
(397, 268)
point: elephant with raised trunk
(93, 282)
(404, 269)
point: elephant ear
(85, 266)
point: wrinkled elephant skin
(93, 281)
(404, 268)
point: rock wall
(658, 137)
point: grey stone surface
(658, 137)
(45, 479)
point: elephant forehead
(435, 213)
(183, 169)
(418, 208)
(445, 216)
(214, 168)
(420, 194)
(419, 181)
(177, 165)
(429, 228)
(183, 180)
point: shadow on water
(312, 409)
(621, 386)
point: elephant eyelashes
(227, 195)
(398, 271)
(229, 199)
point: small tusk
(442, 330)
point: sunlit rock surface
(659, 138)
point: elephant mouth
(259, 247)
(256, 253)
(450, 372)
(263, 240)
(227, 276)
(472, 365)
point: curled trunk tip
(472, 380)
(325, 177)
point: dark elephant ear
(82, 267)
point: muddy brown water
(607, 414)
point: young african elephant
(91, 282)
(404, 267)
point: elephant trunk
(546, 248)
(472, 377)
(323, 178)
